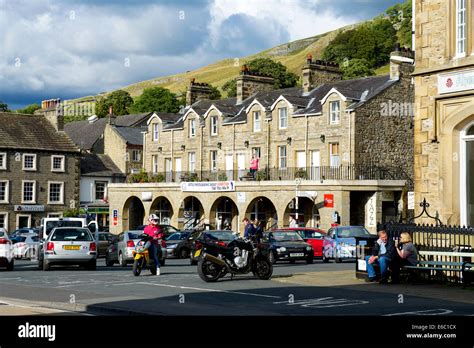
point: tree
(119, 100)
(29, 109)
(4, 107)
(231, 88)
(355, 68)
(283, 78)
(400, 15)
(215, 93)
(156, 99)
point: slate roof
(98, 165)
(133, 120)
(131, 135)
(32, 132)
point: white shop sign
(241, 197)
(411, 200)
(456, 81)
(29, 208)
(212, 186)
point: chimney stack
(401, 62)
(318, 72)
(197, 91)
(111, 116)
(52, 110)
(251, 82)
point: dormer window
(155, 132)
(214, 125)
(256, 121)
(192, 128)
(334, 112)
(283, 118)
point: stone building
(444, 117)
(350, 151)
(39, 167)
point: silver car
(68, 246)
(120, 250)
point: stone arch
(263, 209)
(191, 211)
(224, 208)
(307, 212)
(133, 213)
(162, 207)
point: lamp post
(297, 183)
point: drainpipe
(306, 140)
(172, 153)
(200, 150)
(233, 152)
(268, 144)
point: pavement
(295, 289)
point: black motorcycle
(239, 256)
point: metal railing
(342, 172)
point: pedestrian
(258, 230)
(154, 231)
(293, 222)
(383, 253)
(254, 166)
(407, 255)
(249, 230)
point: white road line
(440, 311)
(200, 289)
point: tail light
(92, 247)
(222, 244)
(4, 241)
(50, 246)
(130, 244)
(198, 245)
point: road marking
(324, 302)
(440, 311)
(200, 289)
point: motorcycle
(141, 257)
(239, 256)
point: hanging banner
(211, 186)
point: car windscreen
(284, 236)
(35, 239)
(133, 235)
(52, 224)
(311, 234)
(348, 232)
(221, 235)
(71, 234)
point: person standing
(154, 231)
(254, 166)
(383, 253)
(258, 230)
(293, 222)
(249, 230)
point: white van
(47, 225)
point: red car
(313, 236)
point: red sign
(115, 217)
(328, 201)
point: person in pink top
(254, 165)
(154, 231)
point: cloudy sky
(68, 49)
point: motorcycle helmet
(153, 218)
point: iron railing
(342, 172)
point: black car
(178, 245)
(210, 236)
(288, 246)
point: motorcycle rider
(154, 231)
(249, 231)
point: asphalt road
(180, 291)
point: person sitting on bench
(407, 255)
(383, 253)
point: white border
(34, 162)
(22, 192)
(63, 163)
(61, 194)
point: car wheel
(338, 260)
(108, 261)
(162, 262)
(122, 261)
(46, 266)
(92, 265)
(10, 265)
(310, 259)
(40, 263)
(324, 258)
(192, 261)
(272, 258)
(183, 253)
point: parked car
(26, 246)
(120, 250)
(340, 242)
(6, 251)
(217, 236)
(105, 238)
(289, 246)
(24, 230)
(178, 245)
(68, 246)
(312, 236)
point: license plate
(197, 253)
(71, 247)
(297, 255)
